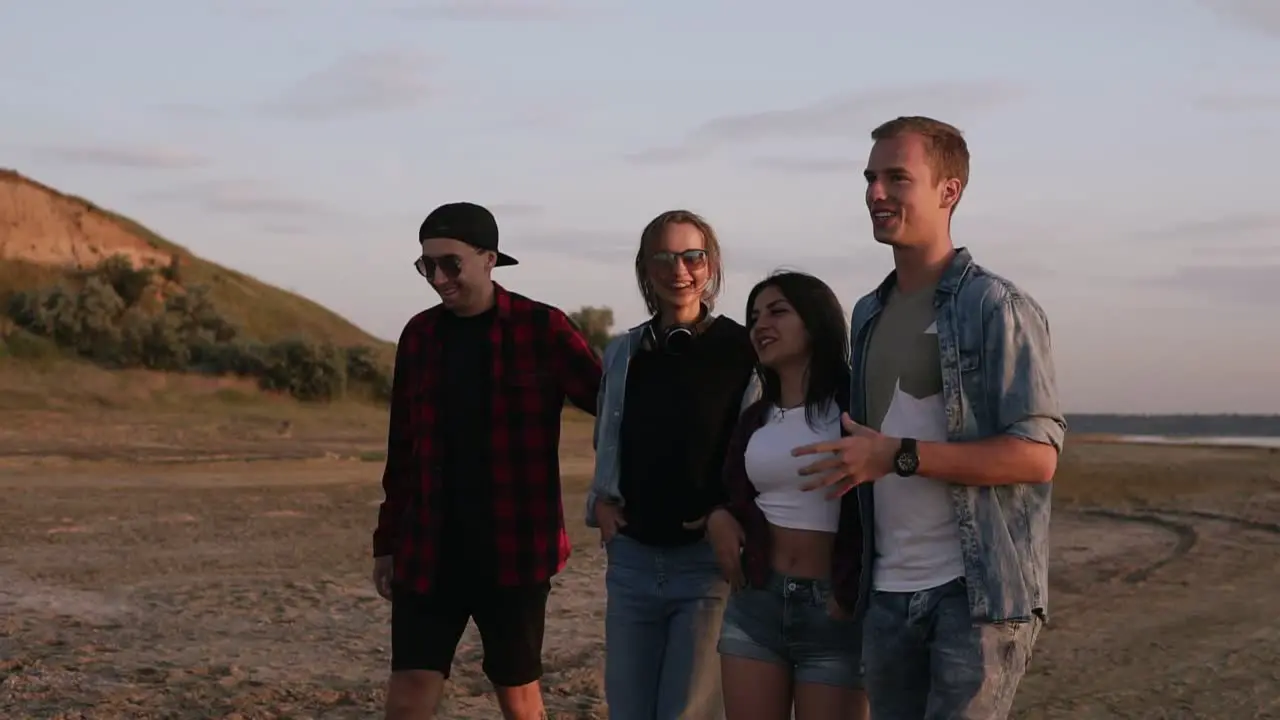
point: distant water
(1262, 442)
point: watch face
(906, 463)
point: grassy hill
(62, 263)
(261, 311)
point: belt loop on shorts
(789, 586)
(778, 583)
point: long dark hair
(827, 377)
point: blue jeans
(788, 623)
(661, 624)
(926, 659)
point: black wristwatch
(906, 462)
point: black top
(466, 423)
(677, 417)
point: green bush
(363, 368)
(307, 372)
(595, 324)
(229, 358)
(22, 345)
(155, 342)
(362, 364)
(173, 271)
(129, 284)
(105, 319)
(84, 321)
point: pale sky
(1123, 172)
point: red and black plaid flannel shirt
(539, 359)
(846, 560)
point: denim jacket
(607, 480)
(997, 378)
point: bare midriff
(801, 553)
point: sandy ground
(146, 589)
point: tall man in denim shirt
(952, 446)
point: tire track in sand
(1172, 520)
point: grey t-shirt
(917, 536)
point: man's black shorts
(425, 629)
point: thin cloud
(1251, 252)
(358, 84)
(760, 260)
(502, 211)
(252, 199)
(515, 210)
(287, 229)
(189, 111)
(1217, 232)
(1261, 16)
(606, 247)
(140, 158)
(484, 11)
(255, 9)
(1238, 102)
(1245, 239)
(497, 10)
(665, 155)
(755, 258)
(849, 116)
(1242, 284)
(810, 166)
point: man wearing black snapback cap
(472, 526)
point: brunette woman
(672, 391)
(793, 557)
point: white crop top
(775, 473)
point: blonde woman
(672, 392)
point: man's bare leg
(414, 695)
(521, 703)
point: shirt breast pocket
(971, 381)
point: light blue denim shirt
(607, 479)
(997, 378)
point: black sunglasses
(690, 258)
(450, 265)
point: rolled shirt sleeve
(1020, 372)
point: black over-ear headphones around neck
(674, 339)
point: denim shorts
(787, 623)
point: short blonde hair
(944, 146)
